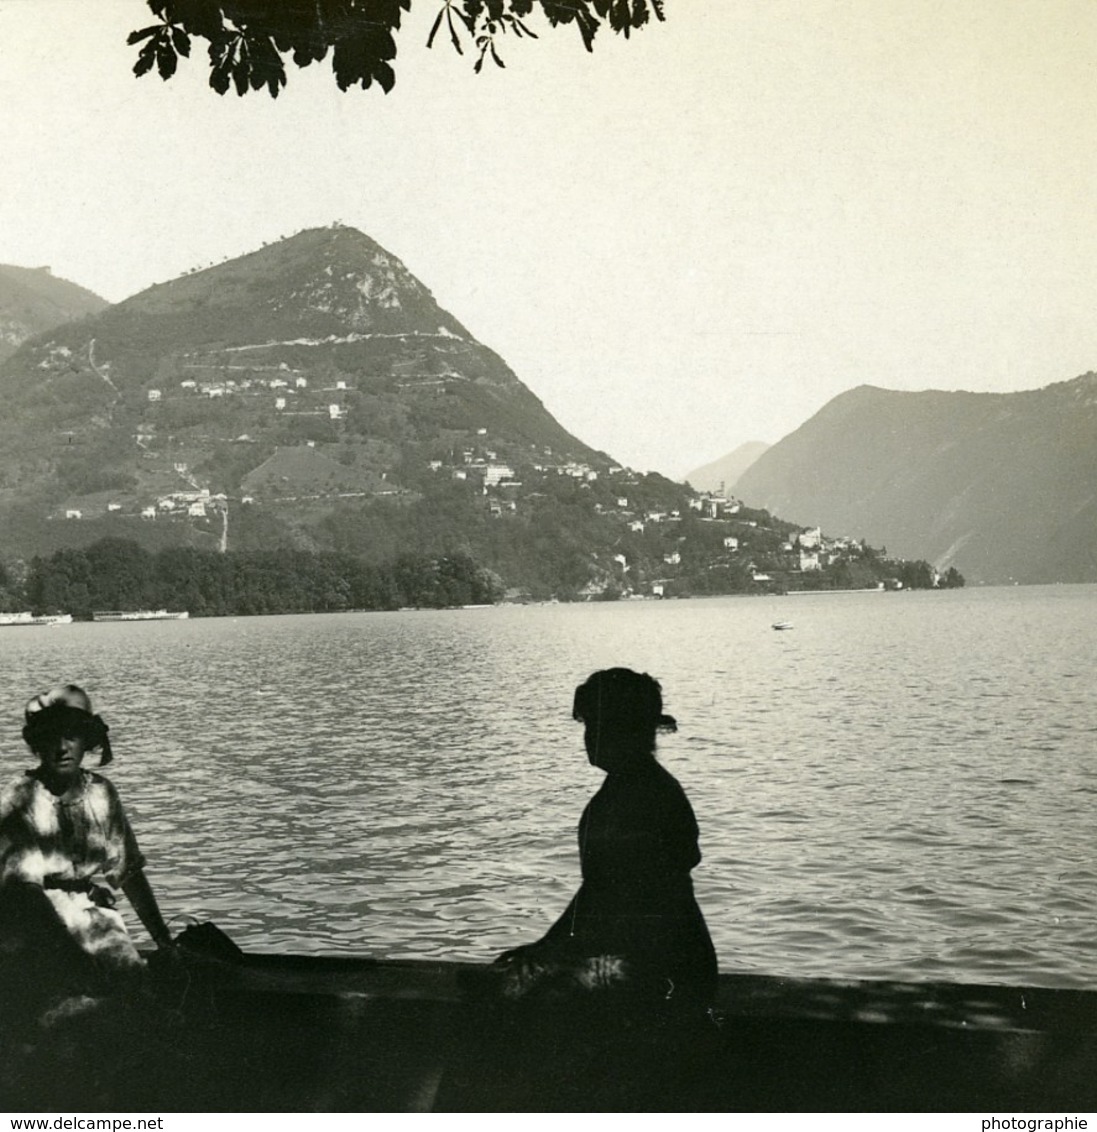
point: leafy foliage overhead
(250, 40)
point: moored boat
(138, 615)
(27, 618)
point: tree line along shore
(120, 574)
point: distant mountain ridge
(33, 300)
(1001, 485)
(723, 474)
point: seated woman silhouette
(634, 924)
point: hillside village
(670, 541)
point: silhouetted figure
(608, 1011)
(634, 921)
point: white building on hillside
(496, 473)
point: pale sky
(682, 242)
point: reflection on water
(900, 787)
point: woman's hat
(66, 707)
(69, 695)
(623, 698)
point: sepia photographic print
(548, 558)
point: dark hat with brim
(64, 711)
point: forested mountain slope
(1001, 485)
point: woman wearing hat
(64, 835)
(634, 923)
(608, 1011)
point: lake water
(901, 786)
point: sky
(681, 242)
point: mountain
(313, 397)
(723, 474)
(323, 338)
(310, 395)
(33, 300)
(1001, 485)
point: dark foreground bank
(296, 1033)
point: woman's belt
(98, 894)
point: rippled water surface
(902, 786)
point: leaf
(145, 59)
(196, 17)
(265, 65)
(181, 41)
(219, 79)
(313, 53)
(201, 17)
(559, 12)
(453, 32)
(470, 12)
(588, 27)
(363, 57)
(144, 33)
(166, 59)
(435, 26)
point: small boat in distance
(138, 615)
(782, 625)
(28, 618)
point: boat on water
(782, 625)
(27, 618)
(138, 615)
(267, 1032)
